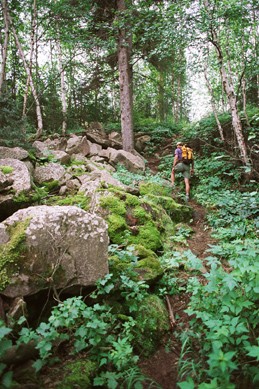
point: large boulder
(49, 172)
(78, 145)
(134, 163)
(19, 175)
(51, 246)
(42, 149)
(13, 152)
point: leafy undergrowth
(124, 320)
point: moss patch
(6, 169)
(12, 252)
(114, 204)
(79, 199)
(151, 323)
(146, 221)
(117, 227)
(151, 188)
(148, 235)
(78, 374)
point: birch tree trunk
(33, 30)
(27, 69)
(63, 87)
(228, 89)
(213, 105)
(125, 81)
(5, 46)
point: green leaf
(38, 365)
(253, 352)
(189, 384)
(4, 331)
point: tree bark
(229, 90)
(27, 69)
(161, 96)
(33, 30)
(5, 46)
(125, 81)
(213, 105)
(63, 87)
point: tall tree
(227, 81)
(29, 75)
(5, 43)
(125, 78)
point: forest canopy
(67, 63)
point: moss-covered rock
(151, 188)
(117, 228)
(142, 264)
(11, 253)
(147, 235)
(147, 220)
(151, 324)
(114, 204)
(79, 199)
(78, 374)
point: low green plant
(224, 310)
(6, 377)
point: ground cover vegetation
(61, 69)
(124, 320)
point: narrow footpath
(162, 366)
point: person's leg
(187, 176)
(172, 177)
(187, 186)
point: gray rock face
(20, 176)
(50, 172)
(78, 145)
(64, 246)
(13, 152)
(134, 163)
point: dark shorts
(184, 169)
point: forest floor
(162, 366)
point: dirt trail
(162, 366)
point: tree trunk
(179, 98)
(33, 29)
(229, 90)
(5, 46)
(161, 96)
(125, 81)
(213, 105)
(174, 111)
(63, 87)
(27, 69)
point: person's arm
(175, 160)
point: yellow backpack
(187, 155)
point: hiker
(183, 165)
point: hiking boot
(187, 198)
